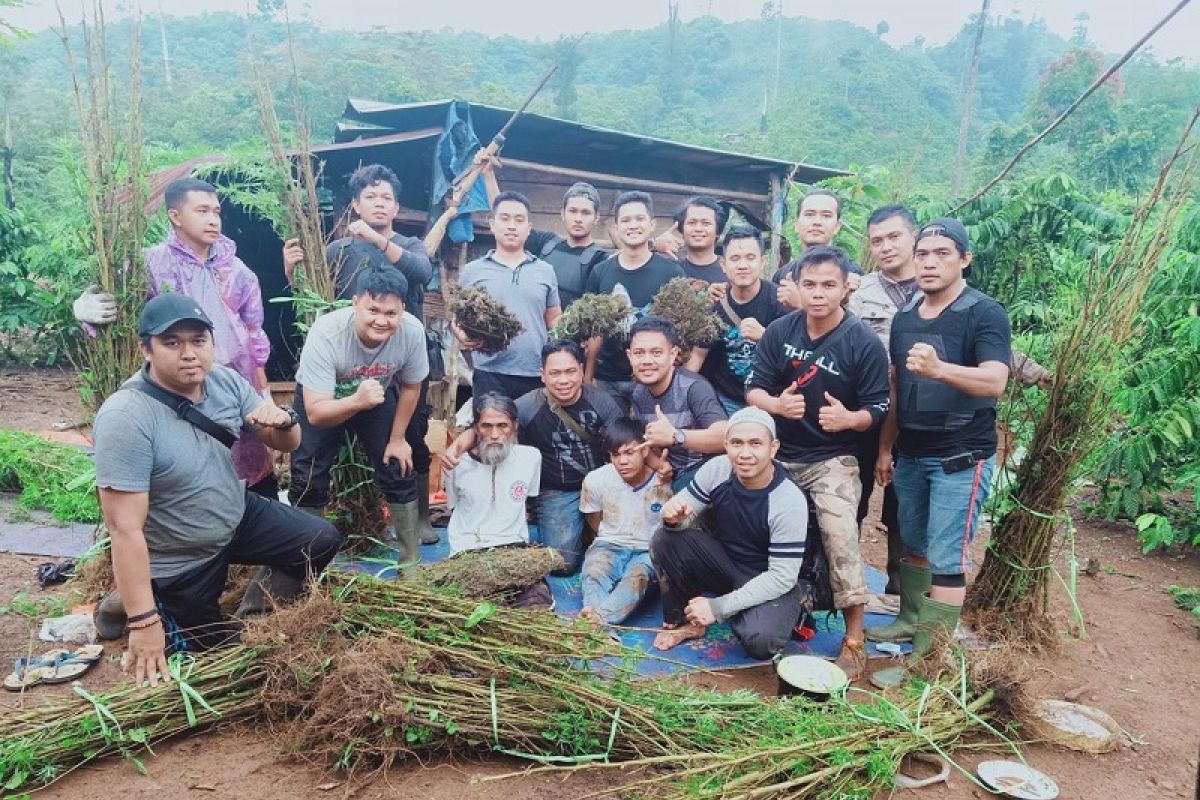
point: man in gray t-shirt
(527, 287)
(176, 511)
(360, 372)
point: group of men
(695, 471)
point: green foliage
(1187, 598)
(1152, 459)
(51, 476)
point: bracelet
(144, 615)
(144, 625)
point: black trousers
(417, 428)
(868, 452)
(512, 386)
(692, 562)
(319, 447)
(270, 534)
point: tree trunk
(964, 127)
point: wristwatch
(293, 418)
(680, 437)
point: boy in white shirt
(622, 501)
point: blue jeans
(730, 405)
(615, 579)
(560, 526)
(939, 512)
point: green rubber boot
(914, 583)
(933, 618)
(407, 537)
(424, 526)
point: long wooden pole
(1096, 84)
(964, 127)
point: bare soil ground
(1140, 662)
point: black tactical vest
(924, 404)
(570, 269)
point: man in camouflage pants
(823, 374)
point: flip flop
(54, 666)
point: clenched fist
(923, 360)
(368, 394)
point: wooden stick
(1096, 84)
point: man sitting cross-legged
(176, 509)
(751, 560)
(623, 501)
(488, 489)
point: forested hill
(841, 96)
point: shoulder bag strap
(186, 410)
(727, 307)
(567, 420)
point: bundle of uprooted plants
(52, 476)
(691, 312)
(365, 674)
(483, 318)
(1010, 596)
(355, 502)
(115, 193)
(592, 315)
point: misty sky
(1114, 24)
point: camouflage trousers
(834, 488)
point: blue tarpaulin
(455, 149)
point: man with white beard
(487, 492)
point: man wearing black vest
(950, 352)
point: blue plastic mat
(719, 650)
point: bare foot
(674, 635)
(591, 615)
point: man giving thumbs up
(823, 374)
(680, 409)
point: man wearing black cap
(950, 352)
(176, 511)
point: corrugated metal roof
(576, 145)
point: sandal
(54, 666)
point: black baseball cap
(950, 228)
(165, 310)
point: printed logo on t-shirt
(799, 355)
(349, 384)
(518, 491)
(656, 507)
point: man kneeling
(751, 560)
(487, 489)
(176, 511)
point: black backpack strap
(186, 410)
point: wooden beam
(639, 183)
(775, 214)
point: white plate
(812, 674)
(1014, 779)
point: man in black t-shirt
(950, 353)
(373, 243)
(572, 256)
(565, 421)
(635, 273)
(680, 409)
(818, 220)
(745, 311)
(823, 374)
(701, 219)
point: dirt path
(1140, 662)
